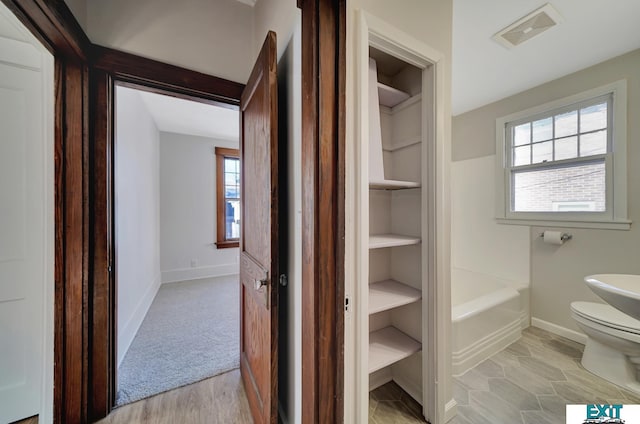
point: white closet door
(23, 230)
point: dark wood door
(259, 262)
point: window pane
(593, 117)
(566, 124)
(232, 191)
(566, 148)
(232, 217)
(231, 178)
(522, 155)
(593, 144)
(542, 129)
(231, 165)
(522, 134)
(542, 152)
(560, 189)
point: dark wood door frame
(84, 348)
(109, 69)
(323, 208)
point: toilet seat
(606, 315)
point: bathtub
(487, 315)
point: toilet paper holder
(564, 237)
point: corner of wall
(129, 330)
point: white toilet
(613, 343)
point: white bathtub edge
(559, 330)
(476, 306)
(464, 360)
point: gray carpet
(190, 333)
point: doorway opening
(176, 230)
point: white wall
(478, 243)
(79, 10)
(280, 16)
(137, 187)
(289, 80)
(428, 21)
(556, 272)
(209, 36)
(188, 209)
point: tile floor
(390, 404)
(529, 382)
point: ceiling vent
(532, 25)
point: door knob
(258, 284)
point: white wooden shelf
(389, 96)
(380, 241)
(411, 141)
(392, 185)
(388, 346)
(389, 294)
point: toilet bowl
(613, 343)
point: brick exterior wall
(536, 191)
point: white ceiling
(192, 118)
(484, 71)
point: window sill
(227, 244)
(600, 225)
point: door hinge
(346, 304)
(284, 281)
(109, 269)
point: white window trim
(616, 162)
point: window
(564, 163)
(228, 197)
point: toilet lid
(606, 315)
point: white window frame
(615, 216)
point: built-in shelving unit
(398, 309)
(389, 294)
(388, 346)
(395, 279)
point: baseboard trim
(525, 320)
(185, 274)
(450, 410)
(559, 330)
(464, 360)
(130, 329)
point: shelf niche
(388, 346)
(389, 294)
